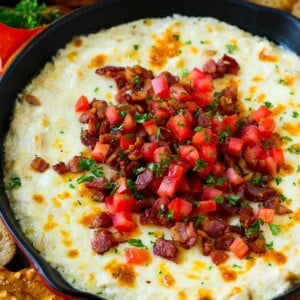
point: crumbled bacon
(39, 164)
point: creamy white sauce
(48, 208)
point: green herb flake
(176, 37)
(268, 104)
(141, 118)
(270, 246)
(254, 228)
(199, 165)
(287, 138)
(236, 266)
(294, 149)
(137, 243)
(188, 42)
(96, 89)
(275, 229)
(14, 182)
(136, 47)
(295, 114)
(278, 180)
(282, 81)
(233, 199)
(231, 48)
(184, 73)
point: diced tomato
(123, 221)
(123, 202)
(251, 135)
(230, 122)
(137, 256)
(148, 151)
(155, 184)
(180, 208)
(266, 127)
(126, 140)
(176, 171)
(266, 214)
(209, 193)
(235, 146)
(122, 186)
(218, 124)
(270, 165)
(260, 113)
(277, 155)
(181, 127)
(128, 124)
(179, 93)
(160, 86)
(233, 177)
(100, 152)
(161, 204)
(150, 127)
(82, 104)
(239, 247)
(161, 154)
(161, 116)
(109, 203)
(218, 169)
(113, 116)
(207, 206)
(202, 137)
(200, 81)
(204, 171)
(203, 99)
(168, 187)
(189, 154)
(208, 153)
(259, 152)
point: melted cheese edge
(54, 211)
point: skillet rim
(261, 15)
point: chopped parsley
(136, 47)
(295, 114)
(270, 246)
(137, 243)
(141, 118)
(233, 199)
(275, 229)
(14, 183)
(278, 180)
(231, 48)
(268, 104)
(255, 227)
(295, 149)
(199, 165)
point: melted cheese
(54, 211)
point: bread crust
(7, 245)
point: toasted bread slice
(7, 245)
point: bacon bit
(31, 99)
(39, 164)
(264, 56)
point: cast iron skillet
(276, 25)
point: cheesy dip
(52, 169)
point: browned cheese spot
(66, 238)
(292, 278)
(72, 56)
(123, 273)
(31, 99)
(38, 198)
(88, 218)
(264, 56)
(204, 294)
(292, 128)
(275, 257)
(278, 110)
(227, 274)
(297, 215)
(98, 61)
(77, 42)
(50, 224)
(182, 295)
(165, 47)
(257, 78)
(73, 253)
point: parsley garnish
(233, 199)
(275, 229)
(268, 104)
(199, 165)
(14, 183)
(278, 180)
(295, 149)
(255, 227)
(131, 185)
(141, 118)
(287, 138)
(136, 47)
(270, 246)
(295, 114)
(137, 243)
(231, 48)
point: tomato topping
(160, 86)
(260, 113)
(233, 177)
(270, 165)
(128, 124)
(277, 155)
(189, 154)
(235, 146)
(176, 171)
(148, 151)
(239, 247)
(179, 93)
(168, 187)
(266, 127)
(113, 116)
(180, 208)
(266, 214)
(200, 81)
(203, 99)
(251, 135)
(181, 127)
(123, 221)
(207, 206)
(208, 152)
(122, 186)
(161, 154)
(137, 256)
(210, 193)
(126, 140)
(100, 152)
(82, 104)
(203, 136)
(151, 127)
(122, 202)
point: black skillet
(276, 25)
